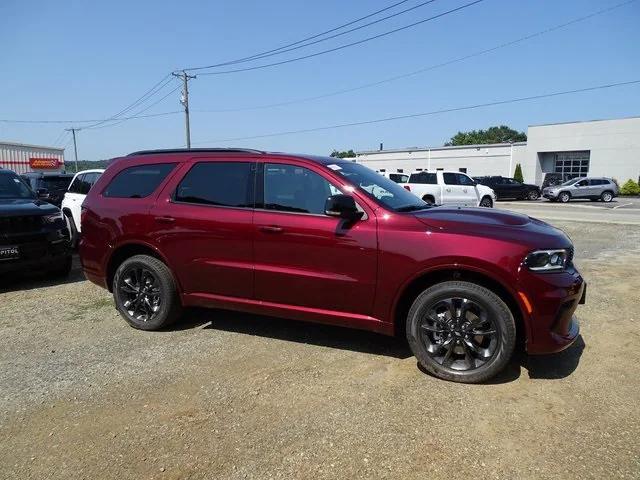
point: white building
(22, 158)
(609, 148)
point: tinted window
(423, 177)
(226, 184)
(12, 186)
(55, 183)
(464, 180)
(290, 188)
(398, 177)
(78, 185)
(136, 182)
(582, 183)
(450, 178)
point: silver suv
(593, 188)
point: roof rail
(196, 150)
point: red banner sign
(44, 163)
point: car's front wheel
(145, 293)
(486, 202)
(564, 197)
(461, 331)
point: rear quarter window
(139, 181)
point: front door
(459, 190)
(302, 256)
(204, 225)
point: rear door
(203, 223)
(75, 196)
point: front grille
(19, 225)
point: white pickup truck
(449, 188)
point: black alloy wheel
(461, 331)
(486, 202)
(145, 293)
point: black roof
(195, 150)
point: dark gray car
(592, 188)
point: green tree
(518, 174)
(630, 188)
(344, 154)
(501, 134)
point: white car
(450, 188)
(73, 198)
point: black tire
(154, 276)
(533, 195)
(73, 231)
(564, 197)
(486, 201)
(500, 341)
(606, 196)
(429, 199)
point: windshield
(11, 186)
(571, 182)
(375, 186)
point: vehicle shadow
(295, 331)
(555, 366)
(33, 280)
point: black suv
(50, 187)
(510, 188)
(33, 233)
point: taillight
(407, 187)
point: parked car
(50, 187)
(33, 233)
(326, 240)
(450, 188)
(73, 198)
(397, 177)
(593, 188)
(506, 187)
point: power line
(282, 50)
(428, 68)
(340, 47)
(424, 114)
(97, 120)
(305, 39)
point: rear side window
(137, 182)
(79, 185)
(423, 177)
(226, 184)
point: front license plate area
(9, 252)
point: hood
(14, 207)
(484, 190)
(498, 224)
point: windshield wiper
(412, 208)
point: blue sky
(86, 60)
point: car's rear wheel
(533, 195)
(145, 293)
(564, 197)
(606, 196)
(461, 331)
(486, 202)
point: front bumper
(550, 195)
(45, 251)
(554, 298)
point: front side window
(290, 188)
(136, 182)
(464, 180)
(224, 184)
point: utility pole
(185, 77)
(75, 146)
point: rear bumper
(554, 299)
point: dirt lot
(234, 396)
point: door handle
(271, 229)
(165, 219)
(448, 189)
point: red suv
(327, 240)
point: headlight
(547, 260)
(54, 218)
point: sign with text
(44, 163)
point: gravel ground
(234, 396)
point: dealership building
(607, 148)
(23, 158)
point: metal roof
(26, 145)
(452, 147)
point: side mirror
(42, 193)
(343, 206)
